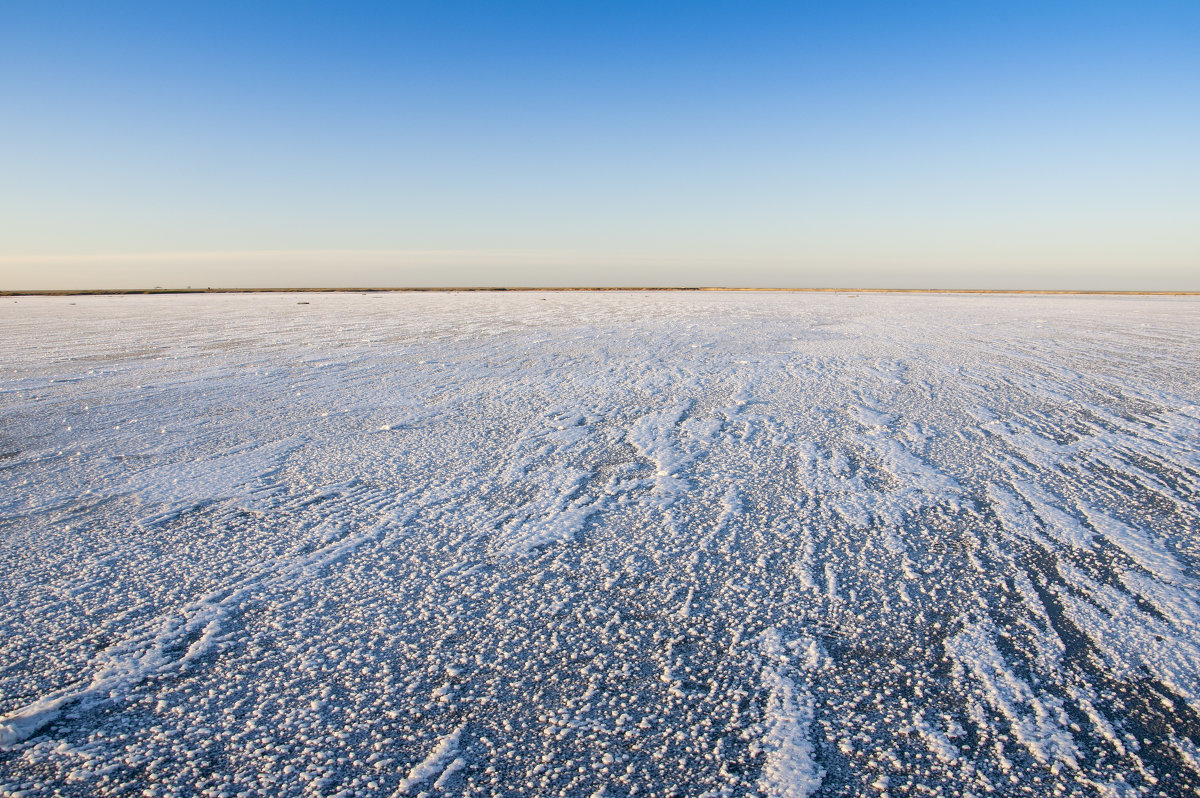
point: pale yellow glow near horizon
(850, 265)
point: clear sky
(892, 144)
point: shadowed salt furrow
(574, 544)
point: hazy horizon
(1024, 146)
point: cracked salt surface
(600, 544)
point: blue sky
(923, 144)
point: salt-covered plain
(600, 544)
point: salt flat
(600, 544)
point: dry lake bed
(600, 544)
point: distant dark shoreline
(530, 289)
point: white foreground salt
(600, 544)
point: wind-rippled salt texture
(600, 544)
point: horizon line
(564, 289)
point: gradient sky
(889, 144)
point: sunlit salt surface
(600, 544)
